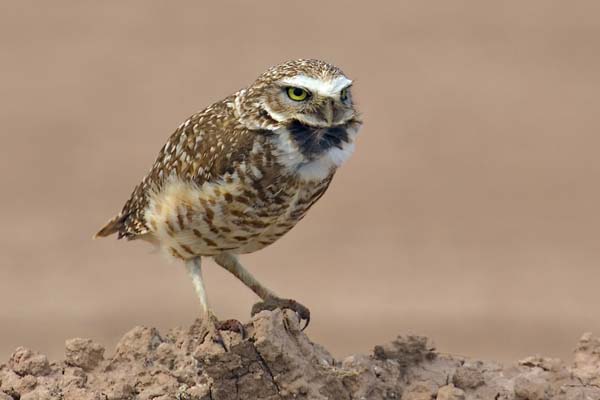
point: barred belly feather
(190, 220)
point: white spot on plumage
(275, 115)
(256, 172)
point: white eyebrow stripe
(324, 87)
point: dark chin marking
(314, 141)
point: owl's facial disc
(315, 102)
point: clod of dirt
(532, 385)
(83, 353)
(586, 365)
(137, 344)
(407, 351)
(468, 376)
(449, 392)
(4, 396)
(26, 362)
(278, 361)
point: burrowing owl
(235, 177)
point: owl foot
(212, 327)
(232, 325)
(272, 303)
(210, 330)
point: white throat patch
(289, 155)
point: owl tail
(112, 226)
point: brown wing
(202, 149)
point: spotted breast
(210, 192)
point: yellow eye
(344, 94)
(297, 94)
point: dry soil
(277, 361)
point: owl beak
(328, 111)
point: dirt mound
(277, 361)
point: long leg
(270, 300)
(232, 264)
(194, 268)
(212, 325)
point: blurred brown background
(468, 213)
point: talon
(218, 339)
(232, 325)
(307, 318)
(272, 303)
(211, 325)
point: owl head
(310, 92)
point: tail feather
(112, 226)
